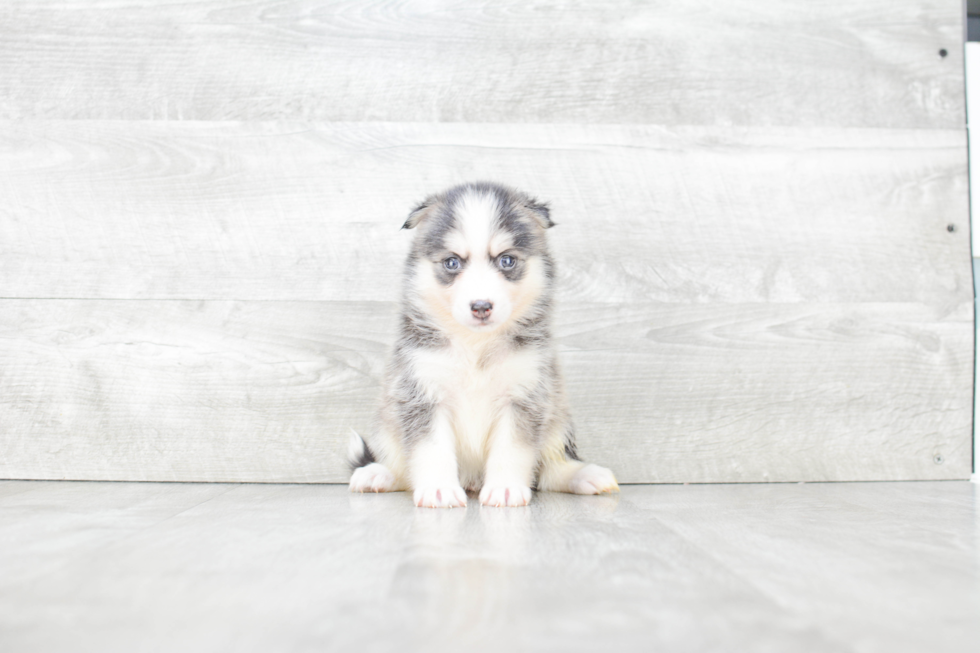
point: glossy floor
(780, 567)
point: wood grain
(646, 213)
(814, 568)
(268, 391)
(813, 549)
(89, 519)
(763, 233)
(187, 390)
(873, 63)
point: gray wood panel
(763, 230)
(267, 391)
(646, 213)
(873, 63)
(814, 568)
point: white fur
(475, 396)
(476, 213)
(593, 479)
(509, 497)
(374, 477)
(510, 466)
(473, 440)
(433, 468)
(481, 281)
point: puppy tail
(358, 454)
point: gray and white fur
(473, 392)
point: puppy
(473, 394)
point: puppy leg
(373, 477)
(592, 479)
(368, 475)
(433, 468)
(559, 473)
(510, 466)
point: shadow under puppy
(473, 393)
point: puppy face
(480, 257)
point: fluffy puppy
(473, 394)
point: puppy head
(480, 257)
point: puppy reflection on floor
(473, 394)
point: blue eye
(451, 263)
(507, 262)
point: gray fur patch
(520, 215)
(534, 329)
(418, 332)
(571, 451)
(517, 272)
(532, 413)
(414, 411)
(444, 275)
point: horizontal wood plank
(763, 235)
(268, 391)
(874, 63)
(312, 211)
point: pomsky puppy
(473, 394)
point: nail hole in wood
(951, 228)
(943, 53)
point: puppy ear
(419, 213)
(541, 213)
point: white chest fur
(472, 389)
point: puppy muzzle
(481, 309)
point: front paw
(593, 479)
(440, 497)
(500, 496)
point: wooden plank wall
(762, 205)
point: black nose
(481, 309)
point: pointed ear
(541, 213)
(419, 213)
